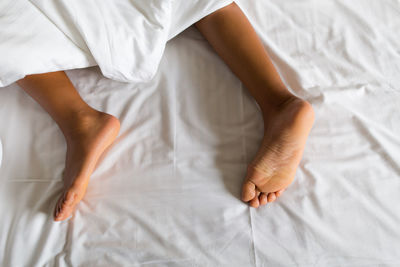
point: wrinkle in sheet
(244, 151)
(376, 145)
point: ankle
(270, 106)
(295, 106)
(78, 121)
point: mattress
(167, 193)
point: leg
(287, 119)
(87, 132)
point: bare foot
(285, 133)
(86, 141)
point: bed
(167, 193)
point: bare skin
(287, 118)
(88, 133)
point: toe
(255, 202)
(64, 213)
(57, 208)
(279, 193)
(65, 205)
(56, 212)
(271, 197)
(59, 213)
(263, 199)
(248, 191)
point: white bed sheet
(167, 192)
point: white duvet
(125, 38)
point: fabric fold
(125, 38)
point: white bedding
(125, 38)
(30, 43)
(167, 193)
